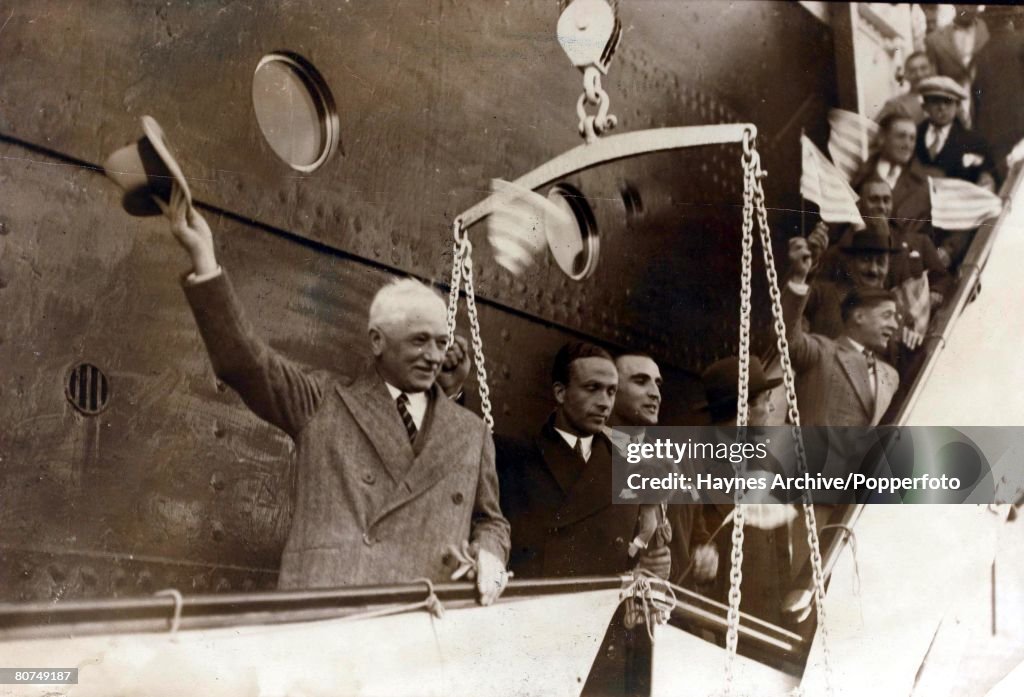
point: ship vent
(87, 388)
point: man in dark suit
(999, 83)
(895, 164)
(390, 472)
(944, 145)
(637, 406)
(556, 488)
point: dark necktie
(403, 410)
(933, 149)
(578, 449)
(872, 362)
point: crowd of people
(396, 479)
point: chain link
(458, 254)
(592, 126)
(462, 270)
(752, 163)
(478, 343)
(742, 415)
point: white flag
(517, 229)
(823, 183)
(850, 141)
(961, 205)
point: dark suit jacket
(370, 508)
(960, 145)
(997, 89)
(563, 520)
(942, 51)
(832, 383)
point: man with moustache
(637, 406)
(556, 487)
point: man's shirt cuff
(194, 279)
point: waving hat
(146, 170)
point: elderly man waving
(391, 473)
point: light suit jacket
(370, 508)
(832, 384)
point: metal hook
(179, 602)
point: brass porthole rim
(326, 108)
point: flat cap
(941, 86)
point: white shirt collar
(621, 439)
(417, 403)
(889, 171)
(586, 442)
(859, 346)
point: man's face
(898, 141)
(876, 200)
(586, 402)
(917, 69)
(875, 326)
(867, 270)
(940, 110)
(410, 349)
(639, 397)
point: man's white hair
(391, 303)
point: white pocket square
(972, 159)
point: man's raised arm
(274, 388)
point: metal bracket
(611, 148)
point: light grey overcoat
(370, 508)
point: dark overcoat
(563, 520)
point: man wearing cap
(944, 144)
(390, 473)
(841, 381)
(916, 68)
(556, 487)
(637, 406)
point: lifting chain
(754, 199)
(462, 271)
(592, 126)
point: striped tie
(403, 411)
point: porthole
(574, 242)
(295, 110)
(87, 388)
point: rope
(644, 601)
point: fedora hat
(721, 381)
(146, 169)
(873, 239)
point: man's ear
(377, 341)
(559, 391)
